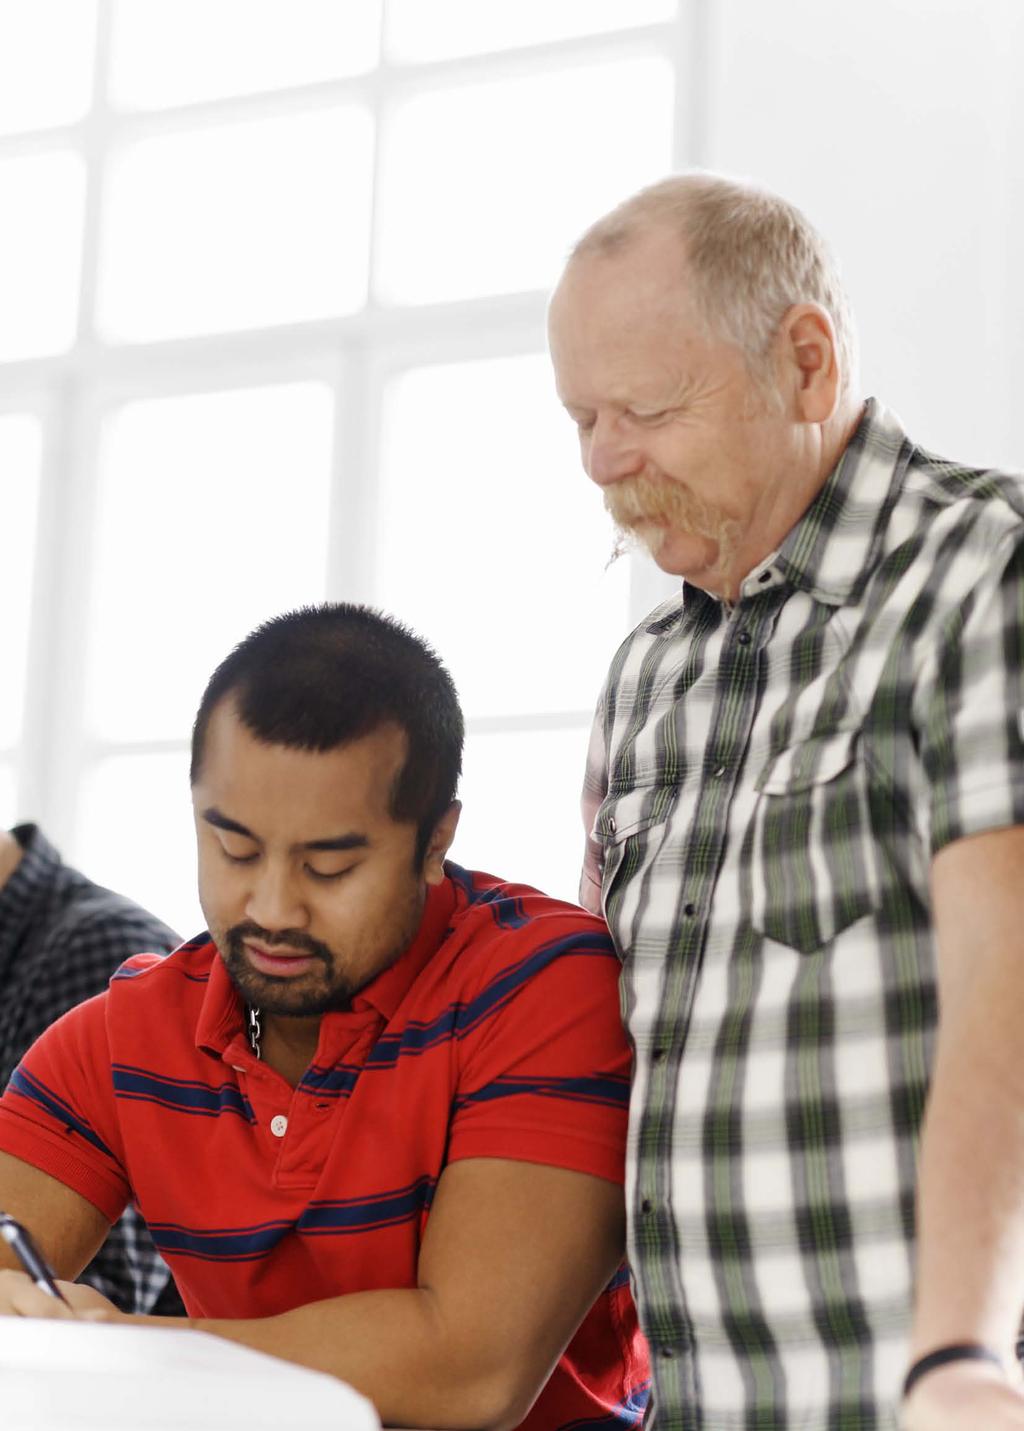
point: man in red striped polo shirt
(375, 1118)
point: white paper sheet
(77, 1376)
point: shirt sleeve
(970, 708)
(595, 788)
(58, 1113)
(544, 1063)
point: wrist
(946, 1356)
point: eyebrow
(352, 841)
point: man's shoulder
(988, 494)
(153, 976)
(496, 920)
(659, 625)
(521, 961)
(960, 527)
(660, 621)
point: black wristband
(958, 1351)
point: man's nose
(611, 452)
(275, 900)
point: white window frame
(355, 356)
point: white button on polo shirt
(279, 1125)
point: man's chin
(651, 536)
(300, 997)
(647, 538)
(677, 552)
(700, 560)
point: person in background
(61, 939)
(376, 1117)
(805, 799)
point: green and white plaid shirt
(765, 791)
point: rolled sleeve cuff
(52, 1155)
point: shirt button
(658, 1055)
(690, 909)
(279, 1125)
(612, 827)
(667, 1353)
(765, 576)
(744, 638)
(720, 772)
(646, 1205)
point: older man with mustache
(804, 797)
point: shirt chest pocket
(813, 863)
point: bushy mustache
(286, 938)
(640, 501)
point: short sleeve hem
(526, 1145)
(996, 806)
(51, 1155)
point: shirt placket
(655, 1236)
(299, 1120)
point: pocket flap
(811, 762)
(620, 816)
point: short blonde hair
(753, 256)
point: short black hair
(321, 676)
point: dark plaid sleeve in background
(61, 938)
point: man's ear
(809, 349)
(439, 843)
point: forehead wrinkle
(632, 310)
(626, 365)
(627, 382)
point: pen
(30, 1257)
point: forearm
(970, 1267)
(395, 1347)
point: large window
(272, 285)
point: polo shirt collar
(222, 1016)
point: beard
(644, 510)
(325, 989)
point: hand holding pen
(31, 1259)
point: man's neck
(837, 435)
(785, 503)
(288, 1045)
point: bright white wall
(898, 126)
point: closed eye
(238, 859)
(583, 420)
(325, 876)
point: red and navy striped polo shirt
(496, 1034)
